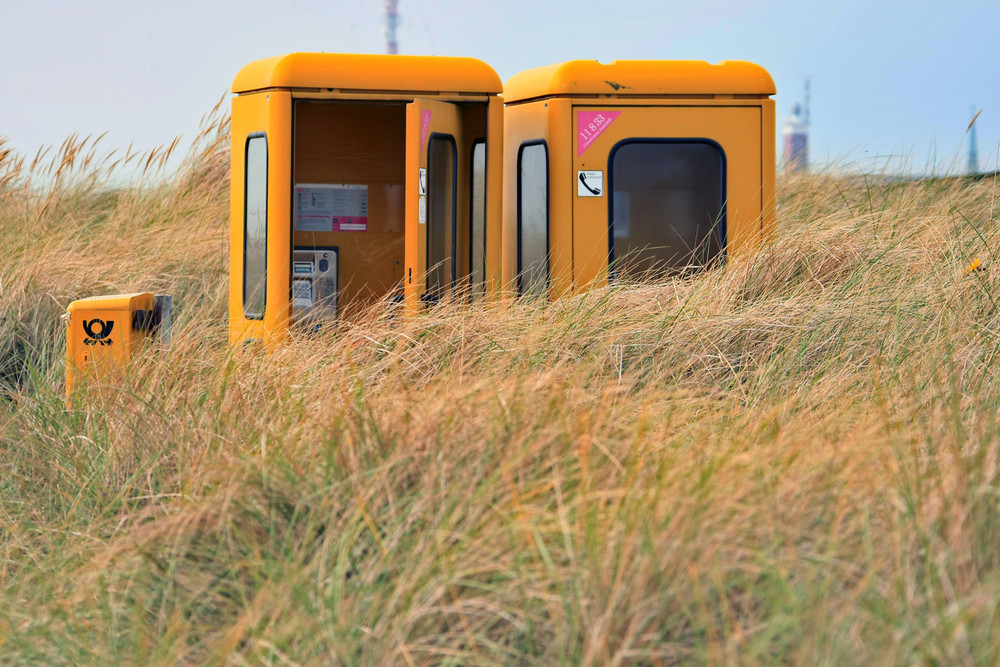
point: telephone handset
(592, 190)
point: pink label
(425, 126)
(350, 224)
(590, 125)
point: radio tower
(391, 23)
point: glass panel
(477, 234)
(533, 219)
(666, 206)
(255, 228)
(440, 215)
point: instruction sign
(322, 207)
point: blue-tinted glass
(533, 219)
(255, 228)
(666, 206)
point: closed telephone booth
(634, 169)
(360, 179)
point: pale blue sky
(889, 79)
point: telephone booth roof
(622, 78)
(369, 72)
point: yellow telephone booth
(358, 178)
(635, 168)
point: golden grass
(792, 460)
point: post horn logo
(99, 337)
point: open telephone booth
(357, 179)
(634, 168)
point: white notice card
(321, 207)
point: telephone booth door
(437, 199)
(664, 188)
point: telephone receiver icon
(593, 191)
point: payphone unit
(314, 284)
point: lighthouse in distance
(795, 136)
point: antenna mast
(391, 23)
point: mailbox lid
(623, 78)
(374, 72)
(104, 322)
(113, 302)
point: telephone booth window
(477, 221)
(532, 219)
(255, 227)
(441, 193)
(667, 207)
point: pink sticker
(590, 125)
(350, 224)
(425, 126)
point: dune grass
(792, 460)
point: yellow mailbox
(357, 178)
(633, 168)
(104, 332)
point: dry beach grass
(792, 460)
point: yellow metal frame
(727, 103)
(367, 74)
(265, 92)
(658, 79)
